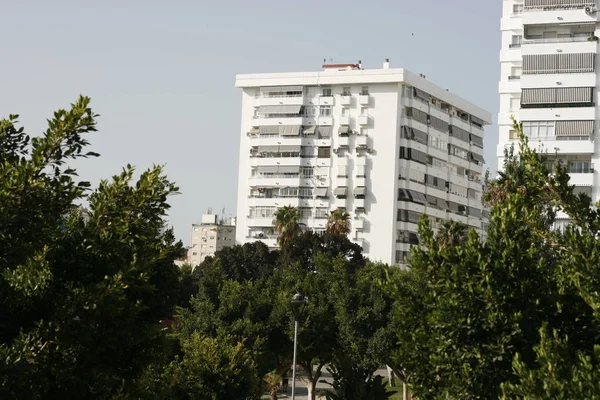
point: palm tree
(286, 224)
(452, 234)
(338, 222)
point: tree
(82, 291)
(474, 319)
(209, 368)
(286, 224)
(452, 233)
(338, 222)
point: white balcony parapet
(557, 4)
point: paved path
(302, 392)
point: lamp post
(297, 301)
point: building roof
(361, 76)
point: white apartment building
(549, 82)
(209, 236)
(385, 144)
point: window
(517, 9)
(437, 163)
(196, 229)
(321, 213)
(406, 237)
(364, 91)
(364, 110)
(324, 152)
(288, 192)
(515, 104)
(326, 92)
(310, 111)
(458, 190)
(516, 39)
(305, 192)
(538, 129)
(512, 134)
(437, 143)
(345, 112)
(458, 152)
(305, 212)
(361, 171)
(408, 216)
(346, 91)
(364, 131)
(325, 111)
(402, 256)
(308, 172)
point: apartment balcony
(538, 16)
(552, 80)
(364, 99)
(363, 120)
(277, 140)
(275, 181)
(359, 203)
(283, 120)
(260, 221)
(343, 141)
(264, 161)
(358, 223)
(326, 100)
(360, 181)
(550, 114)
(362, 141)
(276, 101)
(460, 123)
(563, 147)
(582, 179)
(460, 218)
(344, 120)
(342, 181)
(554, 45)
(461, 162)
(346, 100)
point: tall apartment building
(385, 144)
(209, 236)
(549, 82)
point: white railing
(557, 4)
(559, 40)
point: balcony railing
(278, 116)
(514, 77)
(514, 45)
(557, 4)
(584, 38)
(278, 95)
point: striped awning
(477, 157)
(558, 63)
(321, 192)
(324, 131)
(270, 129)
(418, 197)
(360, 191)
(476, 140)
(289, 130)
(285, 109)
(442, 204)
(474, 212)
(341, 191)
(422, 95)
(279, 89)
(309, 130)
(432, 200)
(574, 128)
(279, 148)
(567, 95)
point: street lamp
(297, 301)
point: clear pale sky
(162, 73)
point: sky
(161, 73)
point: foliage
(82, 291)
(338, 222)
(516, 315)
(287, 224)
(350, 383)
(210, 368)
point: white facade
(210, 236)
(548, 81)
(375, 142)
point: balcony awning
(418, 197)
(360, 191)
(403, 195)
(476, 140)
(309, 130)
(474, 212)
(270, 129)
(344, 129)
(267, 169)
(279, 148)
(453, 206)
(422, 95)
(431, 200)
(574, 128)
(341, 191)
(477, 157)
(254, 131)
(321, 192)
(419, 136)
(285, 109)
(442, 204)
(278, 89)
(324, 131)
(289, 130)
